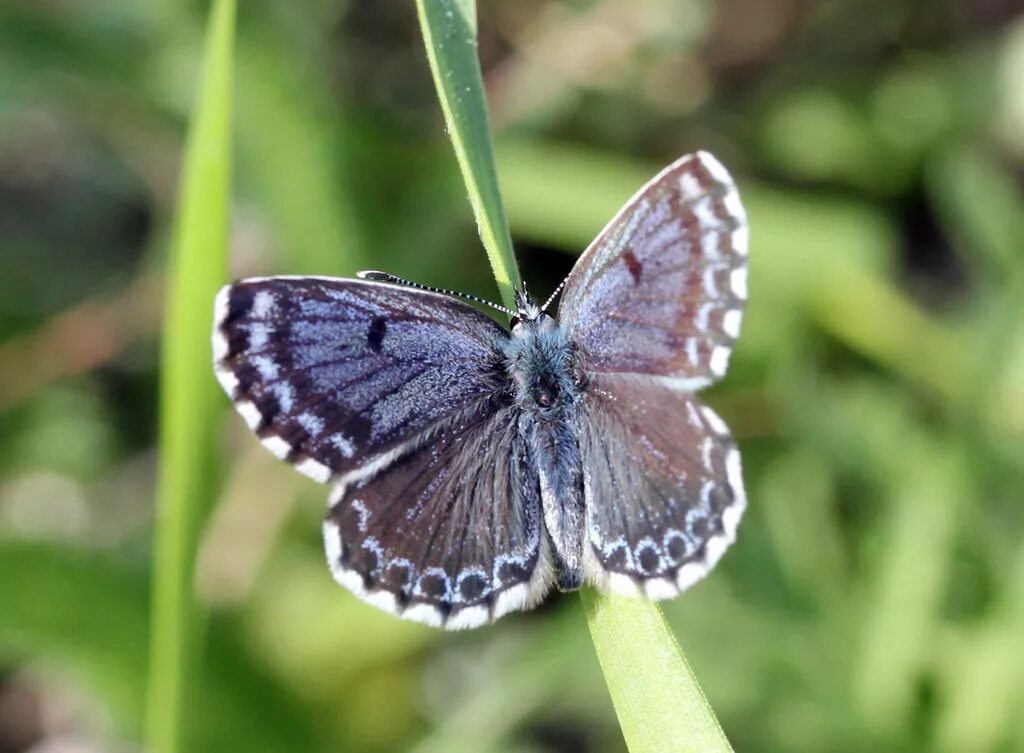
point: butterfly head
(528, 313)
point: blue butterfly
(474, 467)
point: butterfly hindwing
(333, 373)
(661, 290)
(662, 483)
(450, 533)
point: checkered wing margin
(662, 483)
(335, 375)
(450, 533)
(661, 290)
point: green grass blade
(449, 32)
(660, 704)
(657, 698)
(188, 393)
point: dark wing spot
(633, 265)
(268, 408)
(617, 560)
(433, 586)
(677, 547)
(648, 560)
(357, 429)
(366, 562)
(240, 300)
(472, 587)
(374, 338)
(398, 579)
(512, 572)
(247, 377)
(238, 340)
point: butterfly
(473, 467)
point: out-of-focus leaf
(292, 144)
(902, 611)
(982, 674)
(83, 612)
(189, 393)
(982, 211)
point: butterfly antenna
(385, 277)
(554, 295)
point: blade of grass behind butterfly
(659, 703)
(188, 393)
(449, 33)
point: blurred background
(875, 598)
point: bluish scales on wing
(341, 370)
(473, 467)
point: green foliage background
(875, 600)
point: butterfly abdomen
(540, 365)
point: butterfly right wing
(653, 308)
(450, 533)
(335, 374)
(662, 482)
(661, 290)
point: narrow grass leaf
(660, 704)
(657, 698)
(188, 393)
(449, 32)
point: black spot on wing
(397, 579)
(358, 428)
(268, 407)
(472, 587)
(367, 562)
(239, 302)
(648, 560)
(375, 337)
(238, 341)
(513, 572)
(248, 378)
(676, 548)
(434, 587)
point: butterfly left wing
(662, 483)
(661, 290)
(337, 374)
(450, 533)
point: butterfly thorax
(540, 363)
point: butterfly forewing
(450, 534)
(332, 373)
(662, 484)
(661, 290)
